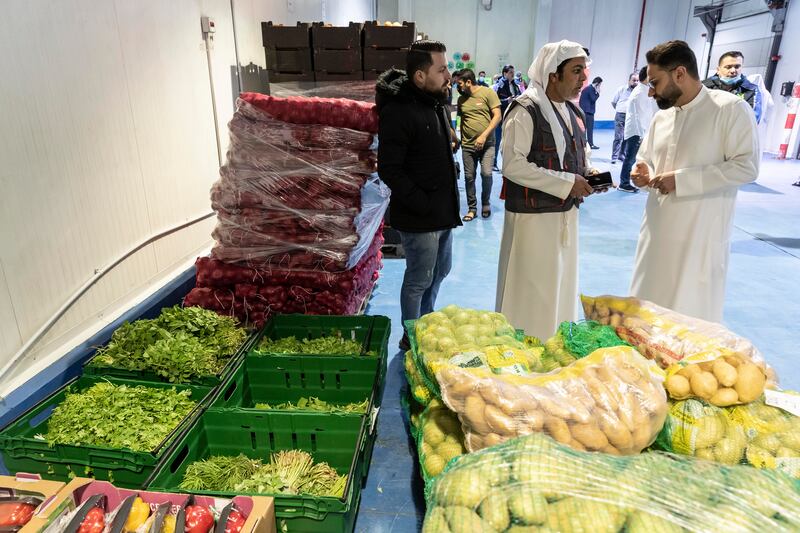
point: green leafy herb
(183, 343)
(118, 416)
(333, 344)
(315, 404)
(288, 472)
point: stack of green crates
(232, 425)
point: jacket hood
(394, 85)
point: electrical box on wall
(786, 88)
(208, 27)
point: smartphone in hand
(600, 181)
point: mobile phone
(600, 181)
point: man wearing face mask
(545, 159)
(620, 104)
(699, 149)
(482, 81)
(415, 159)
(729, 78)
(479, 108)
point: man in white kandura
(699, 149)
(545, 159)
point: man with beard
(699, 149)
(545, 159)
(479, 108)
(415, 159)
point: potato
(490, 394)
(611, 450)
(473, 414)
(733, 360)
(750, 384)
(707, 454)
(689, 371)
(678, 386)
(725, 373)
(642, 436)
(552, 408)
(617, 434)
(499, 422)
(474, 442)
(704, 384)
(706, 366)
(724, 397)
(615, 320)
(558, 429)
(492, 439)
(576, 445)
(532, 421)
(494, 510)
(589, 435)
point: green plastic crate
(371, 331)
(267, 379)
(339, 441)
(125, 468)
(147, 375)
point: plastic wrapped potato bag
(721, 378)
(535, 484)
(666, 336)
(756, 434)
(611, 401)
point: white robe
(684, 242)
(537, 281)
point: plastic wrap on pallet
(242, 243)
(336, 112)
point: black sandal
(486, 213)
(469, 216)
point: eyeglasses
(652, 83)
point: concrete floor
(763, 303)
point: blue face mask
(730, 81)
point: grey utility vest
(520, 199)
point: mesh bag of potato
(611, 401)
(756, 434)
(720, 377)
(439, 439)
(535, 484)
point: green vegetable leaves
(118, 416)
(315, 404)
(288, 472)
(182, 344)
(334, 344)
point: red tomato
(95, 521)
(15, 513)
(235, 522)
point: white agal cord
(97, 276)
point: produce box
(338, 441)
(371, 331)
(337, 61)
(22, 451)
(276, 76)
(379, 36)
(380, 59)
(279, 36)
(258, 510)
(31, 488)
(336, 37)
(289, 60)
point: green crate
(21, 452)
(267, 379)
(147, 375)
(371, 331)
(339, 441)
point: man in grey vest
(545, 159)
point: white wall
(788, 70)
(106, 137)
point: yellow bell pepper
(139, 513)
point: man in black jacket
(415, 159)
(589, 96)
(729, 78)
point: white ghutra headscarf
(547, 60)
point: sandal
(469, 216)
(486, 213)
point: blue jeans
(617, 149)
(631, 149)
(472, 158)
(429, 257)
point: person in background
(589, 96)
(700, 148)
(482, 81)
(620, 104)
(641, 109)
(765, 103)
(545, 159)
(520, 82)
(729, 78)
(479, 108)
(415, 159)
(507, 91)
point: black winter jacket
(414, 156)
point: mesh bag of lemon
(468, 337)
(536, 484)
(756, 434)
(667, 336)
(612, 401)
(439, 439)
(418, 386)
(575, 340)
